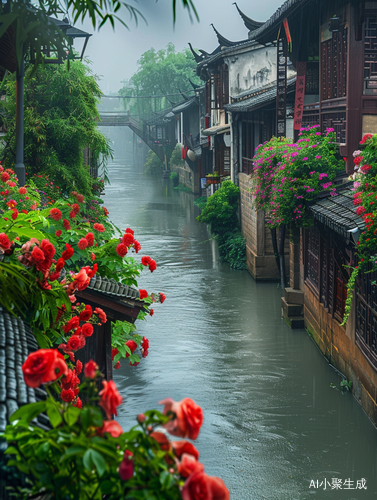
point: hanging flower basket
(213, 179)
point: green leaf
(54, 415)
(11, 450)
(71, 415)
(70, 452)
(28, 412)
(93, 458)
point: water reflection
(272, 422)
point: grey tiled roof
(16, 342)
(251, 99)
(184, 105)
(338, 212)
(112, 288)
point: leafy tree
(153, 165)
(160, 72)
(60, 121)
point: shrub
(153, 165)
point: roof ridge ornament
(198, 58)
(248, 22)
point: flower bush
(288, 175)
(88, 456)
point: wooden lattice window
(324, 265)
(334, 66)
(370, 46)
(366, 315)
(340, 294)
(312, 269)
(337, 121)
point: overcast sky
(115, 54)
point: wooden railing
(247, 165)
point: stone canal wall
(339, 346)
(187, 177)
(259, 251)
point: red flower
(110, 398)
(87, 330)
(58, 233)
(199, 486)
(86, 314)
(105, 211)
(78, 403)
(145, 353)
(66, 224)
(126, 468)
(90, 369)
(145, 343)
(82, 279)
(117, 365)
(67, 254)
(4, 241)
(48, 249)
(99, 227)
(72, 324)
(151, 312)
(101, 314)
(188, 465)
(114, 352)
(183, 446)
(55, 214)
(162, 440)
(121, 249)
(162, 298)
(60, 264)
(90, 239)
(93, 256)
(132, 345)
(360, 210)
(129, 230)
(67, 395)
(83, 243)
(37, 255)
(152, 265)
(112, 427)
(4, 176)
(80, 198)
(358, 160)
(145, 260)
(74, 343)
(76, 208)
(187, 420)
(22, 190)
(42, 366)
(137, 246)
(15, 213)
(78, 367)
(72, 214)
(143, 293)
(128, 239)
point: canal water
(274, 428)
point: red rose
(66, 224)
(73, 343)
(78, 367)
(80, 198)
(128, 239)
(87, 330)
(126, 468)
(117, 365)
(58, 233)
(60, 264)
(82, 244)
(152, 266)
(145, 260)
(67, 395)
(78, 403)
(90, 369)
(358, 160)
(183, 446)
(4, 176)
(132, 345)
(82, 279)
(114, 352)
(112, 427)
(99, 227)
(145, 353)
(55, 214)
(121, 249)
(22, 190)
(4, 241)
(137, 246)
(110, 398)
(162, 440)
(101, 314)
(48, 249)
(188, 465)
(37, 255)
(105, 211)
(42, 366)
(143, 293)
(162, 298)
(145, 343)
(187, 420)
(129, 230)
(90, 239)
(14, 213)
(76, 208)
(86, 314)
(72, 214)
(199, 486)
(67, 254)
(72, 324)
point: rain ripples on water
(272, 421)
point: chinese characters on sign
(281, 90)
(339, 484)
(300, 94)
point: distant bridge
(124, 119)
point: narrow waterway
(273, 425)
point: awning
(338, 212)
(219, 129)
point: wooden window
(334, 66)
(366, 315)
(370, 46)
(340, 294)
(312, 258)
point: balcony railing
(247, 166)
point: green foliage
(201, 202)
(173, 176)
(74, 459)
(60, 121)
(182, 187)
(220, 211)
(153, 165)
(175, 158)
(288, 175)
(160, 72)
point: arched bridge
(124, 119)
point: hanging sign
(300, 94)
(281, 90)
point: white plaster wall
(251, 70)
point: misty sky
(115, 54)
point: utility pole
(19, 166)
